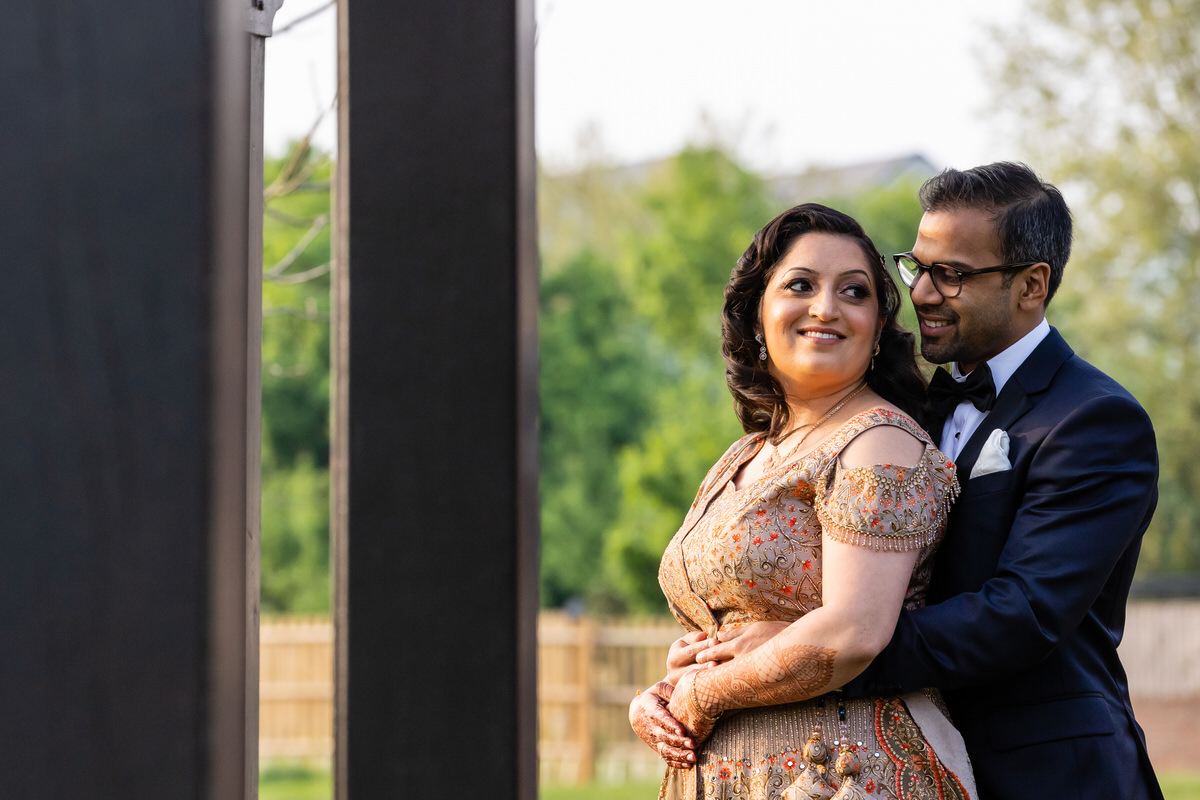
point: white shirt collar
(1006, 363)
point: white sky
(788, 83)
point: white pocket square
(994, 455)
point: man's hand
(737, 642)
(659, 730)
(683, 654)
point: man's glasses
(947, 280)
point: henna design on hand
(774, 674)
(685, 707)
(650, 720)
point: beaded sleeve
(887, 507)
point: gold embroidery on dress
(755, 554)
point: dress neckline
(896, 418)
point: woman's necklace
(775, 458)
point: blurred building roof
(826, 182)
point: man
(1058, 471)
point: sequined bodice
(755, 553)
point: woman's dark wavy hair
(759, 398)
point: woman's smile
(820, 316)
(822, 335)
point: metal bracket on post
(260, 18)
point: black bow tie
(945, 393)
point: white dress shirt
(966, 417)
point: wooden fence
(588, 670)
(295, 688)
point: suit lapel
(1016, 398)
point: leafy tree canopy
(1105, 95)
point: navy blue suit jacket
(1027, 604)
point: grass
(1180, 785)
(294, 782)
(305, 783)
(297, 782)
(600, 791)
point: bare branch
(280, 371)
(288, 219)
(307, 314)
(298, 167)
(301, 277)
(286, 262)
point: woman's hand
(683, 707)
(738, 641)
(655, 726)
(684, 654)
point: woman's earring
(872, 367)
(762, 348)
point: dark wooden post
(125, 401)
(435, 445)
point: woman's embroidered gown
(755, 554)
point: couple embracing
(903, 591)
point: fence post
(587, 716)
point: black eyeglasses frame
(962, 274)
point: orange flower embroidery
(757, 540)
(792, 522)
(786, 590)
(807, 564)
(751, 584)
(774, 536)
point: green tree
(700, 212)
(296, 338)
(1105, 95)
(594, 402)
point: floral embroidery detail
(755, 553)
(919, 772)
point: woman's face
(820, 316)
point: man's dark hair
(1032, 220)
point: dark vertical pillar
(435, 408)
(124, 400)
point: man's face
(978, 324)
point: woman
(805, 541)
